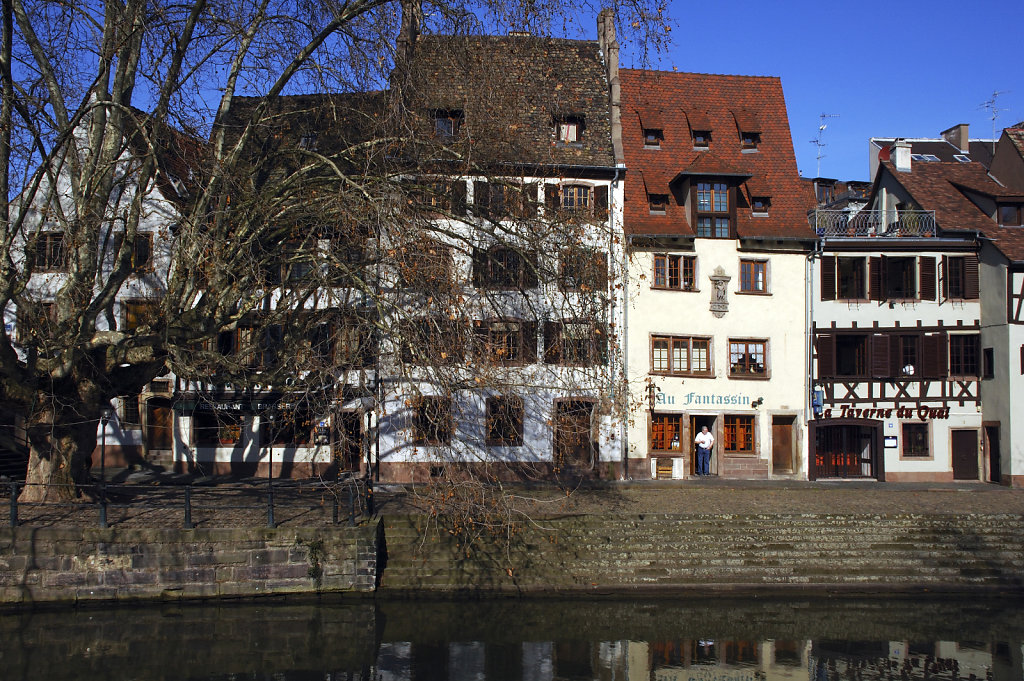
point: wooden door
(159, 435)
(574, 445)
(782, 444)
(965, 454)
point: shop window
(738, 434)
(432, 420)
(915, 440)
(216, 429)
(748, 358)
(713, 211)
(964, 351)
(504, 421)
(680, 355)
(288, 429)
(851, 278)
(575, 343)
(583, 270)
(653, 138)
(754, 276)
(506, 341)
(666, 432)
(675, 272)
(504, 267)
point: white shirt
(705, 440)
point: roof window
(653, 138)
(447, 123)
(569, 129)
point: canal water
(672, 638)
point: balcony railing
(832, 224)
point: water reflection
(671, 639)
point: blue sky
(904, 68)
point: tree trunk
(60, 455)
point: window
(851, 355)
(296, 262)
(498, 201)
(750, 140)
(432, 421)
(139, 313)
(507, 341)
(288, 429)
(960, 277)
(712, 201)
(738, 433)
(36, 320)
(505, 268)
(577, 197)
(504, 421)
(308, 141)
(754, 276)
(760, 204)
(908, 347)
(653, 138)
(348, 342)
(701, 139)
(575, 343)
(747, 358)
(1011, 214)
(426, 265)
(215, 429)
(675, 272)
(851, 278)
(142, 252)
(657, 203)
(432, 340)
(666, 432)
(447, 124)
(50, 253)
(915, 440)
(964, 351)
(988, 360)
(569, 129)
(680, 355)
(130, 416)
(900, 277)
(583, 270)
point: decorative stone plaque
(719, 292)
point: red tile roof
(940, 187)
(727, 105)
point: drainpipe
(624, 329)
(808, 320)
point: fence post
(14, 504)
(188, 507)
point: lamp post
(104, 419)
(270, 470)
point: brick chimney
(610, 52)
(957, 136)
(900, 155)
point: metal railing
(188, 506)
(832, 224)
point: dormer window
(658, 203)
(653, 137)
(701, 139)
(1011, 214)
(569, 129)
(713, 214)
(759, 204)
(750, 140)
(447, 123)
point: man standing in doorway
(705, 441)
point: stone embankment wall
(40, 565)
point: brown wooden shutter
(599, 344)
(552, 342)
(875, 278)
(927, 273)
(944, 277)
(529, 207)
(481, 197)
(880, 359)
(896, 356)
(479, 267)
(826, 348)
(600, 269)
(459, 197)
(601, 200)
(934, 350)
(530, 277)
(529, 341)
(971, 287)
(552, 198)
(828, 277)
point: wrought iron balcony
(832, 224)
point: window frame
(964, 355)
(748, 281)
(129, 415)
(653, 137)
(751, 349)
(50, 252)
(505, 347)
(909, 270)
(673, 342)
(664, 428)
(1014, 209)
(701, 138)
(739, 434)
(712, 193)
(847, 281)
(433, 421)
(682, 264)
(504, 410)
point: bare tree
(168, 206)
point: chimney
(609, 47)
(957, 136)
(405, 45)
(900, 155)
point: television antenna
(819, 139)
(994, 111)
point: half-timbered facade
(715, 219)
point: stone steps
(692, 551)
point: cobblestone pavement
(158, 501)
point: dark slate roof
(977, 149)
(180, 156)
(510, 90)
(940, 187)
(685, 101)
